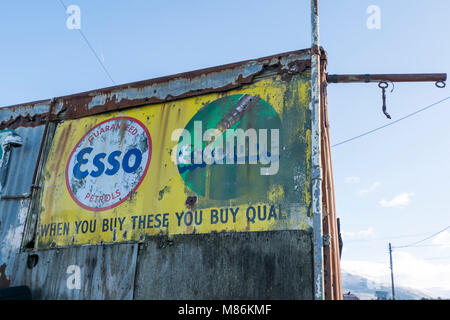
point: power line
(420, 241)
(425, 245)
(432, 258)
(391, 123)
(91, 48)
(386, 238)
(437, 258)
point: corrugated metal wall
(106, 272)
(13, 212)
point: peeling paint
(13, 238)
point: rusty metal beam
(159, 90)
(16, 197)
(408, 77)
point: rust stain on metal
(331, 252)
(61, 144)
(79, 106)
(294, 67)
(4, 280)
(162, 191)
(190, 202)
(24, 121)
(24, 115)
(413, 77)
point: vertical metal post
(316, 170)
(392, 272)
(28, 239)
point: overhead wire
(386, 238)
(391, 123)
(423, 240)
(92, 49)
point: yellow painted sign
(235, 161)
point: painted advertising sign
(109, 163)
(237, 161)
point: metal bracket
(326, 240)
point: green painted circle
(228, 181)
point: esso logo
(109, 163)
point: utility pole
(392, 272)
(316, 170)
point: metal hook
(383, 85)
(440, 84)
(392, 86)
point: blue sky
(388, 184)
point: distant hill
(365, 289)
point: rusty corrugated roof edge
(24, 115)
(157, 90)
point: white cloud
(351, 180)
(370, 189)
(374, 271)
(399, 201)
(442, 239)
(409, 271)
(419, 273)
(358, 235)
